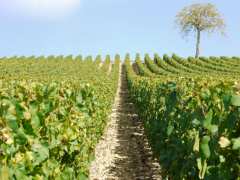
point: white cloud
(41, 8)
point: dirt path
(123, 153)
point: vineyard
(54, 111)
(190, 110)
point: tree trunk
(198, 43)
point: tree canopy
(198, 18)
(202, 17)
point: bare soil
(124, 153)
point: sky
(92, 27)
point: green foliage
(192, 122)
(106, 63)
(52, 114)
(98, 60)
(142, 69)
(202, 17)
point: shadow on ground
(133, 157)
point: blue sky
(91, 27)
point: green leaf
(12, 122)
(170, 130)
(202, 166)
(205, 150)
(62, 111)
(68, 92)
(222, 159)
(68, 173)
(196, 143)
(28, 128)
(20, 173)
(47, 107)
(208, 119)
(79, 98)
(235, 101)
(236, 143)
(35, 121)
(199, 163)
(213, 129)
(196, 122)
(4, 173)
(82, 176)
(40, 154)
(19, 111)
(20, 137)
(206, 94)
(207, 123)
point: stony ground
(123, 153)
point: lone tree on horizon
(200, 18)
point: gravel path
(123, 153)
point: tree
(200, 18)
